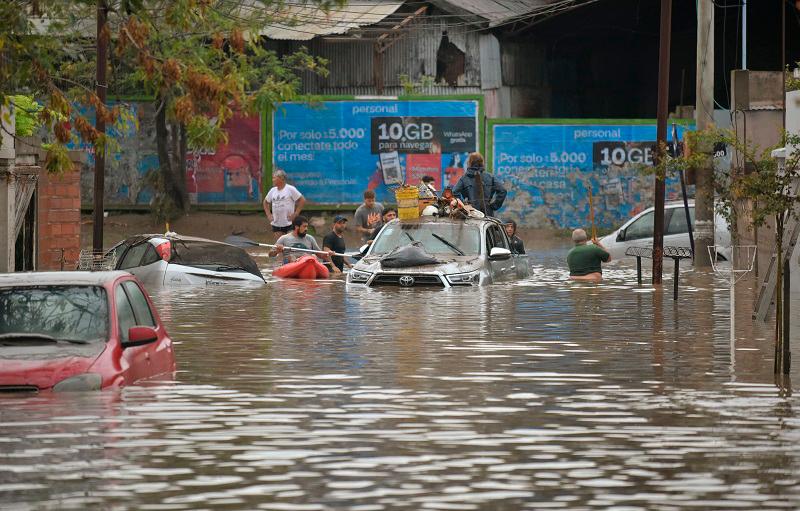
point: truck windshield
(435, 237)
(74, 313)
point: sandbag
(413, 254)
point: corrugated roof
(307, 22)
(497, 11)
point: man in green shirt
(584, 260)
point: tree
(773, 191)
(202, 61)
(755, 183)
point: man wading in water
(584, 260)
(298, 238)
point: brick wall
(59, 204)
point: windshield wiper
(409, 236)
(444, 240)
(28, 335)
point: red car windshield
(72, 313)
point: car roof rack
(96, 260)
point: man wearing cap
(334, 241)
(585, 260)
(517, 247)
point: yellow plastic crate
(407, 202)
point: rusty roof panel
(306, 21)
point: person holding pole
(298, 238)
(585, 260)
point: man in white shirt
(282, 204)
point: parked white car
(638, 231)
(170, 259)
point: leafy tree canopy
(201, 59)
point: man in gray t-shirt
(297, 238)
(368, 215)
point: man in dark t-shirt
(334, 240)
(585, 260)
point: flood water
(541, 394)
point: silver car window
(641, 228)
(133, 256)
(677, 222)
(150, 256)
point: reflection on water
(542, 394)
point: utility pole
(704, 118)
(665, 33)
(744, 34)
(99, 153)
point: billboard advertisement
(334, 150)
(548, 170)
(132, 156)
(232, 172)
(229, 174)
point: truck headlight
(464, 279)
(81, 382)
(359, 277)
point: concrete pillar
(7, 191)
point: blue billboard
(334, 150)
(548, 170)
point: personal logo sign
(550, 168)
(332, 151)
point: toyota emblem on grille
(406, 281)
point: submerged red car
(78, 331)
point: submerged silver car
(469, 252)
(170, 259)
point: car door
(135, 360)
(676, 233)
(503, 269)
(143, 261)
(639, 233)
(158, 355)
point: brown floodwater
(542, 394)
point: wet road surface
(541, 394)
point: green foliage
(410, 86)
(792, 81)
(26, 112)
(204, 133)
(770, 186)
(162, 207)
(57, 158)
(203, 60)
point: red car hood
(44, 366)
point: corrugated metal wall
(350, 63)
